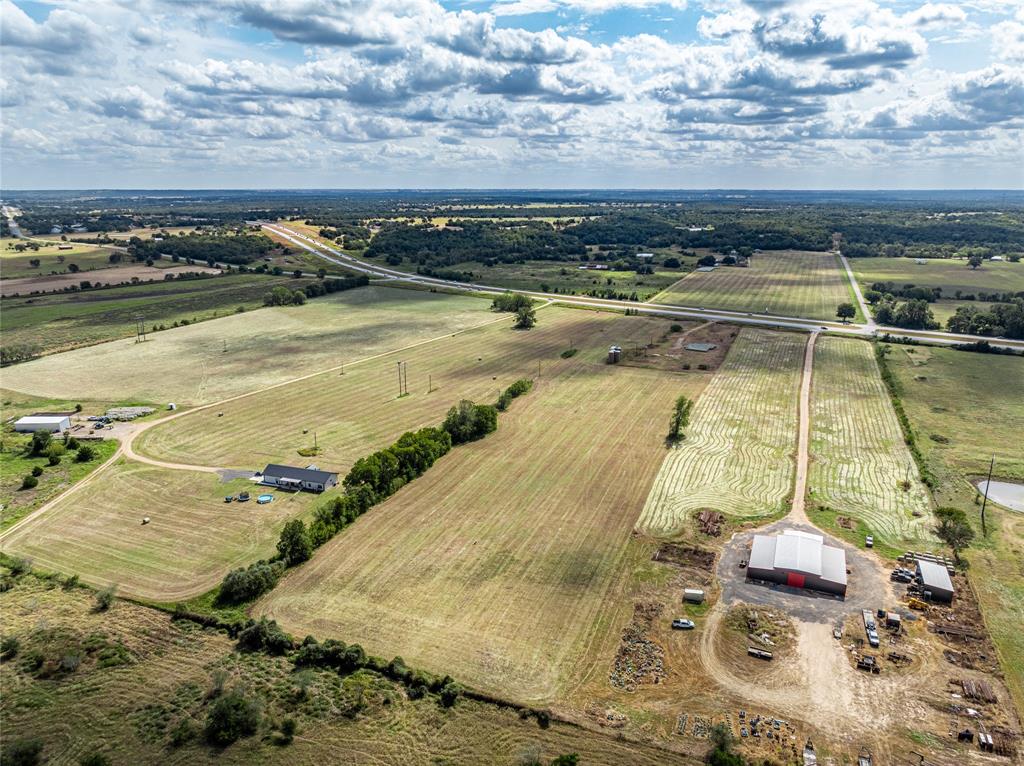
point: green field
(129, 711)
(244, 352)
(14, 265)
(950, 275)
(15, 463)
(496, 564)
(967, 408)
(737, 454)
(62, 321)
(785, 283)
(858, 457)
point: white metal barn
(51, 423)
(800, 560)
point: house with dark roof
(311, 479)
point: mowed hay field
(858, 456)
(496, 565)
(737, 456)
(14, 264)
(237, 353)
(192, 540)
(359, 411)
(784, 282)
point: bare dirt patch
(112, 276)
(668, 351)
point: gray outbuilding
(52, 423)
(934, 579)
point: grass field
(967, 408)
(68, 320)
(128, 712)
(950, 275)
(111, 277)
(192, 540)
(495, 565)
(787, 283)
(14, 265)
(858, 457)
(188, 365)
(361, 408)
(15, 464)
(737, 454)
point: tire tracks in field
(126, 448)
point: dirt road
(797, 512)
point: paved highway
(869, 330)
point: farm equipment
(916, 603)
(761, 654)
(868, 663)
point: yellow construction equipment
(916, 603)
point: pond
(1006, 493)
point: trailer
(761, 654)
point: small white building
(51, 423)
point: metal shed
(934, 578)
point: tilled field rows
(495, 566)
(737, 455)
(787, 283)
(858, 457)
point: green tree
(84, 454)
(846, 311)
(40, 443)
(525, 318)
(566, 759)
(29, 482)
(231, 717)
(105, 598)
(680, 418)
(974, 261)
(954, 529)
(294, 546)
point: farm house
(51, 423)
(800, 560)
(289, 477)
(934, 579)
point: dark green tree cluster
(221, 248)
(520, 387)
(908, 291)
(265, 636)
(231, 717)
(294, 547)
(511, 302)
(282, 296)
(464, 240)
(386, 471)
(468, 422)
(911, 315)
(1001, 320)
(244, 584)
(953, 529)
(335, 285)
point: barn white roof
(796, 551)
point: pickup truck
(683, 624)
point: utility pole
(399, 378)
(984, 502)
(430, 383)
(140, 329)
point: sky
(753, 94)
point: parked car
(869, 541)
(873, 638)
(682, 624)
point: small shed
(702, 347)
(934, 579)
(693, 595)
(52, 423)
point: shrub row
(520, 387)
(893, 387)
